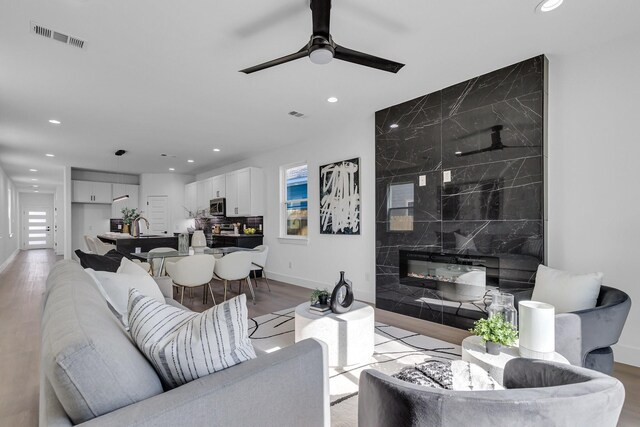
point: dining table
(162, 256)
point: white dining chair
(101, 247)
(258, 263)
(89, 242)
(192, 272)
(158, 268)
(235, 266)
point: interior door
(157, 213)
(37, 228)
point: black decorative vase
(342, 296)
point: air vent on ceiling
(56, 35)
(295, 114)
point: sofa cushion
(183, 345)
(87, 356)
(107, 262)
(115, 289)
(567, 292)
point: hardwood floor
(21, 288)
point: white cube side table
(474, 351)
(349, 336)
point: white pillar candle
(537, 322)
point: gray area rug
(395, 349)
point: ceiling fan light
(549, 5)
(321, 56)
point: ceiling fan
(496, 143)
(321, 48)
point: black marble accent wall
(486, 133)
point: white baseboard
(312, 284)
(627, 354)
(8, 260)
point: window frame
(283, 236)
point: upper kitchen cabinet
(191, 197)
(244, 192)
(204, 191)
(133, 202)
(91, 192)
(219, 184)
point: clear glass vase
(502, 303)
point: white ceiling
(162, 76)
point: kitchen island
(126, 244)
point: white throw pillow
(115, 288)
(183, 345)
(129, 267)
(566, 291)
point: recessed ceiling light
(35, 186)
(216, 149)
(33, 170)
(393, 125)
(34, 179)
(50, 155)
(55, 122)
(190, 161)
(548, 5)
(332, 99)
(35, 191)
(172, 169)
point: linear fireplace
(459, 278)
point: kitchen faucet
(135, 226)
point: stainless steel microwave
(217, 207)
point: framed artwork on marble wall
(340, 197)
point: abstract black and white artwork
(340, 197)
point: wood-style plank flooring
(21, 288)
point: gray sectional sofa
(92, 373)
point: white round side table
(474, 351)
(349, 336)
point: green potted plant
(128, 216)
(319, 296)
(495, 332)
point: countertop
(123, 236)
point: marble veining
(488, 133)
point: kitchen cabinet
(218, 186)
(204, 190)
(91, 192)
(191, 198)
(240, 241)
(133, 202)
(244, 192)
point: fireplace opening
(453, 277)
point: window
(293, 200)
(400, 207)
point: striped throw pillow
(183, 345)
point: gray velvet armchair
(585, 337)
(539, 393)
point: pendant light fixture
(119, 154)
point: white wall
(88, 218)
(8, 242)
(172, 186)
(594, 149)
(318, 263)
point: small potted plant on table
(495, 332)
(319, 297)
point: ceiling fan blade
(350, 55)
(321, 15)
(299, 54)
(470, 153)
